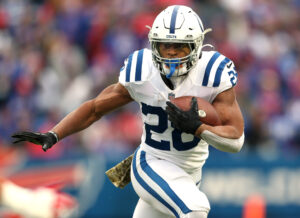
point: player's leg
(41, 202)
(144, 210)
(166, 187)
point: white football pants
(165, 190)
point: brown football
(207, 112)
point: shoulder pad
(136, 67)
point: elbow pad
(221, 143)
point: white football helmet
(177, 24)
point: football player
(166, 168)
(42, 202)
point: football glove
(46, 140)
(186, 121)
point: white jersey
(213, 74)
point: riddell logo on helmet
(170, 36)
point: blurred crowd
(56, 54)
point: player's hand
(186, 121)
(46, 140)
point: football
(207, 112)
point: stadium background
(56, 54)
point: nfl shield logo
(171, 95)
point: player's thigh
(145, 210)
(165, 186)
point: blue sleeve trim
(219, 72)
(208, 68)
(138, 69)
(128, 68)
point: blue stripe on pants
(149, 189)
(162, 183)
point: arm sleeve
(223, 144)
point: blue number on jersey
(161, 128)
(233, 77)
(182, 146)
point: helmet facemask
(175, 66)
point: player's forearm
(77, 120)
(111, 98)
(227, 131)
(224, 138)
